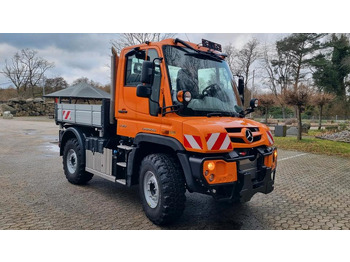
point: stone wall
(28, 107)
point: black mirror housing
(147, 73)
(241, 88)
(144, 90)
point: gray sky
(87, 55)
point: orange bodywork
(223, 172)
(133, 117)
(271, 160)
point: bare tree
(320, 100)
(276, 66)
(26, 69)
(86, 81)
(36, 67)
(15, 71)
(246, 57)
(231, 58)
(55, 84)
(129, 39)
(269, 74)
(299, 98)
(267, 101)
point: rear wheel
(74, 164)
(162, 188)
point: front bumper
(252, 176)
(250, 188)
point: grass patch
(314, 145)
(315, 132)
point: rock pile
(7, 115)
(28, 107)
(343, 136)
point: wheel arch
(72, 132)
(149, 144)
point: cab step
(122, 164)
(124, 147)
(121, 181)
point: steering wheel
(214, 90)
(211, 90)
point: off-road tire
(80, 176)
(171, 183)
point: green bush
(343, 126)
(331, 128)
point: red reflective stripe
(207, 137)
(186, 143)
(68, 113)
(219, 141)
(270, 135)
(198, 140)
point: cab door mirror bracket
(241, 88)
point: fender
(169, 142)
(72, 132)
(160, 140)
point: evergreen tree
(300, 49)
(333, 67)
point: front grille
(236, 136)
(237, 140)
(238, 129)
(256, 138)
(233, 130)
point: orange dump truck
(174, 122)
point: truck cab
(175, 122)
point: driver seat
(186, 82)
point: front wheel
(162, 188)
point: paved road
(311, 192)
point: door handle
(123, 111)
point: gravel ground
(310, 192)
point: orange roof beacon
(174, 122)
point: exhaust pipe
(114, 59)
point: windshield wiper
(221, 114)
(199, 52)
(205, 56)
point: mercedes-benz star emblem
(249, 135)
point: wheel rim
(151, 189)
(71, 161)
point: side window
(153, 106)
(133, 71)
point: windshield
(209, 80)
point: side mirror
(241, 88)
(147, 73)
(144, 90)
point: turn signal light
(275, 155)
(180, 96)
(211, 166)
